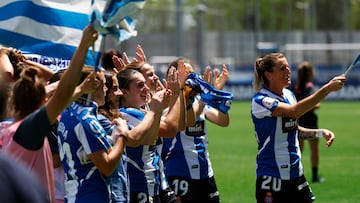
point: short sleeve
(32, 131)
(263, 106)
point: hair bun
(29, 73)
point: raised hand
(207, 77)
(172, 81)
(336, 83)
(219, 80)
(182, 73)
(89, 36)
(160, 100)
(140, 54)
(90, 84)
(119, 63)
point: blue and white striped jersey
(143, 166)
(186, 154)
(76, 140)
(119, 180)
(278, 145)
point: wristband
(319, 133)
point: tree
(268, 15)
(330, 15)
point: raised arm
(45, 72)
(174, 120)
(6, 69)
(220, 79)
(214, 115)
(199, 106)
(303, 106)
(63, 94)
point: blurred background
(236, 32)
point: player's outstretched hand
(336, 83)
(329, 137)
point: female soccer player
(274, 111)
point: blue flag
(112, 17)
(356, 62)
(52, 28)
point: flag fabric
(211, 96)
(356, 62)
(54, 63)
(112, 17)
(51, 28)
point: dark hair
(305, 74)
(266, 63)
(106, 58)
(109, 110)
(28, 92)
(4, 94)
(124, 78)
(175, 63)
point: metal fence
(330, 52)
(242, 48)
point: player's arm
(45, 72)
(303, 106)
(217, 117)
(306, 133)
(174, 119)
(6, 68)
(106, 162)
(146, 132)
(63, 94)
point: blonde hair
(262, 65)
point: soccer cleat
(318, 180)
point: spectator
(304, 88)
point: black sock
(315, 173)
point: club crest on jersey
(268, 102)
(268, 198)
(289, 124)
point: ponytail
(262, 65)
